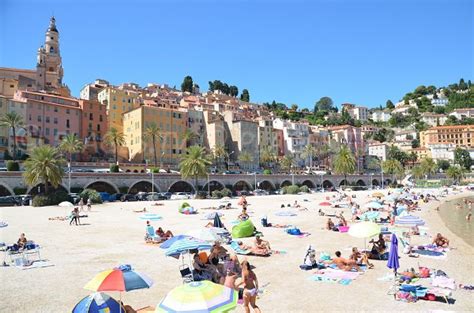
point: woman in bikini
(250, 282)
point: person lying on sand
(164, 235)
(140, 211)
(360, 258)
(441, 241)
(345, 264)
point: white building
(433, 119)
(360, 113)
(403, 135)
(381, 116)
(380, 150)
(463, 113)
(441, 102)
(402, 109)
(295, 136)
(442, 151)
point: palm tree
(417, 172)
(309, 151)
(153, 132)
(116, 138)
(219, 153)
(245, 157)
(344, 162)
(12, 120)
(287, 162)
(44, 165)
(194, 164)
(189, 137)
(412, 157)
(456, 173)
(393, 167)
(428, 166)
(70, 144)
(267, 156)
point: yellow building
(172, 123)
(8, 87)
(117, 101)
(460, 135)
(3, 130)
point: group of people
(225, 269)
(259, 247)
(341, 221)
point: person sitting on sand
(468, 216)
(296, 205)
(232, 264)
(441, 241)
(360, 258)
(262, 244)
(201, 271)
(22, 241)
(342, 220)
(344, 264)
(329, 224)
(218, 250)
(321, 213)
(243, 216)
(378, 248)
(164, 235)
(230, 279)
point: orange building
(93, 128)
(460, 135)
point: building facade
(459, 135)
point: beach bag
(294, 231)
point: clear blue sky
(364, 52)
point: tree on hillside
(428, 166)
(44, 165)
(233, 91)
(389, 105)
(287, 162)
(463, 158)
(187, 84)
(417, 172)
(399, 155)
(309, 152)
(245, 158)
(245, 96)
(323, 104)
(462, 85)
(344, 162)
(189, 137)
(13, 121)
(267, 156)
(443, 165)
(219, 154)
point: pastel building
(460, 135)
(93, 127)
(442, 151)
(381, 116)
(379, 150)
(296, 136)
(433, 119)
(117, 101)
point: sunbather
(345, 264)
(360, 258)
(164, 235)
(202, 272)
(22, 241)
(242, 201)
(230, 279)
(379, 245)
(218, 250)
(243, 216)
(262, 244)
(140, 211)
(253, 250)
(250, 282)
(441, 241)
(329, 224)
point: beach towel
(286, 213)
(303, 235)
(235, 246)
(36, 264)
(3, 224)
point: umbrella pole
(120, 302)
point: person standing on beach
(75, 216)
(81, 204)
(89, 204)
(250, 282)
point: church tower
(49, 70)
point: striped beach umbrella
(186, 244)
(409, 220)
(98, 302)
(122, 278)
(197, 297)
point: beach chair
(151, 236)
(31, 249)
(186, 273)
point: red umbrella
(325, 204)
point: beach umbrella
(393, 261)
(371, 216)
(150, 217)
(212, 215)
(186, 244)
(391, 198)
(169, 242)
(325, 203)
(204, 234)
(378, 194)
(122, 278)
(66, 204)
(98, 302)
(374, 205)
(409, 220)
(199, 296)
(217, 222)
(364, 230)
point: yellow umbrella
(364, 230)
(378, 195)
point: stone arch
(343, 183)
(327, 184)
(375, 182)
(181, 186)
(361, 183)
(387, 182)
(285, 183)
(5, 190)
(103, 186)
(242, 185)
(213, 185)
(34, 190)
(308, 183)
(142, 185)
(266, 185)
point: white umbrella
(205, 234)
(66, 204)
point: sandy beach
(113, 234)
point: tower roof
(52, 25)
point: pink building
(352, 137)
(49, 117)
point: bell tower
(49, 70)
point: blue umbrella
(374, 205)
(410, 220)
(393, 255)
(370, 215)
(150, 217)
(186, 244)
(169, 242)
(97, 302)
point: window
(47, 119)
(55, 120)
(47, 108)
(29, 117)
(67, 124)
(91, 117)
(90, 126)
(98, 127)
(39, 118)
(100, 118)
(55, 132)
(47, 131)
(67, 111)
(56, 109)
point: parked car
(25, 200)
(128, 197)
(142, 196)
(115, 197)
(260, 192)
(104, 196)
(181, 196)
(7, 201)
